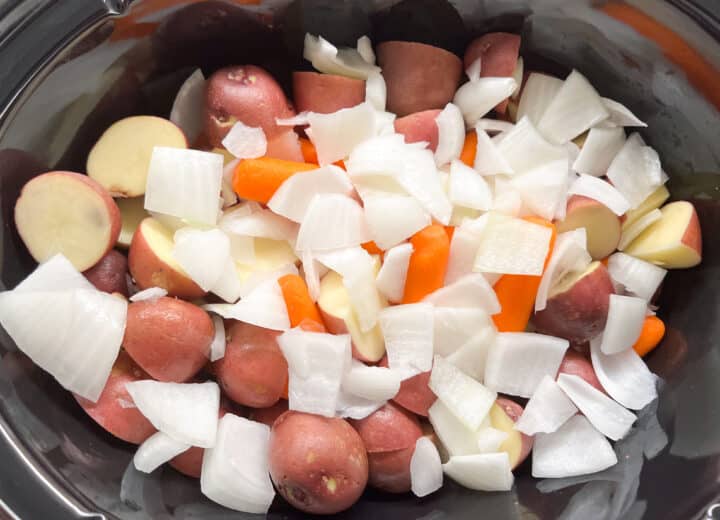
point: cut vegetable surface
(483, 472)
(408, 333)
(548, 409)
(602, 226)
(625, 318)
(426, 474)
(156, 451)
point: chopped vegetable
(259, 179)
(428, 263)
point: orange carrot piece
(428, 263)
(469, 149)
(605, 261)
(516, 292)
(450, 230)
(653, 331)
(259, 179)
(286, 389)
(372, 248)
(308, 151)
(302, 310)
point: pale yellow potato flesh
(513, 443)
(132, 213)
(656, 199)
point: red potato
(656, 199)
(674, 241)
(115, 410)
(498, 53)
(152, 264)
(253, 371)
(418, 76)
(110, 273)
(414, 394)
(269, 415)
(318, 464)
(575, 364)
(389, 428)
(503, 416)
(577, 305)
(326, 93)
(244, 93)
(603, 227)
(68, 213)
(418, 127)
(169, 338)
(285, 146)
(390, 470)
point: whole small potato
(244, 93)
(575, 364)
(326, 93)
(253, 371)
(389, 428)
(169, 338)
(390, 470)
(115, 410)
(414, 394)
(269, 415)
(110, 273)
(318, 464)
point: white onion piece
(474, 70)
(426, 473)
(202, 254)
(463, 249)
(391, 219)
(451, 134)
(513, 246)
(624, 376)
(227, 193)
(600, 148)
(408, 332)
(228, 286)
(257, 278)
(264, 306)
(245, 142)
(335, 135)
(471, 291)
(633, 230)
(537, 94)
(524, 148)
(639, 277)
(489, 439)
(625, 318)
(327, 58)
(300, 119)
(80, 335)
(258, 222)
(620, 115)
(547, 410)
(576, 108)
(376, 91)
(454, 327)
(156, 451)
(477, 98)
(575, 449)
(312, 271)
(420, 179)
(468, 188)
(235, 472)
(467, 399)
(569, 254)
(286, 146)
(316, 364)
(601, 191)
(390, 280)
(55, 274)
(472, 355)
(494, 125)
(217, 347)
(151, 293)
(332, 221)
(543, 189)
(371, 383)
(353, 407)
(188, 110)
(636, 171)
(517, 75)
(482, 472)
(184, 184)
(518, 361)
(457, 438)
(365, 50)
(488, 159)
(187, 412)
(379, 156)
(608, 417)
(506, 198)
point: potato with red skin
(114, 410)
(269, 415)
(498, 53)
(169, 338)
(318, 464)
(575, 364)
(414, 394)
(503, 416)
(420, 126)
(244, 93)
(389, 471)
(253, 371)
(602, 226)
(389, 428)
(110, 273)
(326, 93)
(418, 76)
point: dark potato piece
(499, 55)
(420, 126)
(326, 93)
(269, 415)
(109, 274)
(414, 394)
(389, 428)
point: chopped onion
(408, 333)
(451, 134)
(188, 110)
(547, 410)
(600, 148)
(259, 223)
(300, 119)
(371, 383)
(235, 472)
(575, 108)
(311, 270)
(624, 376)
(537, 94)
(420, 179)
(489, 439)
(55, 274)
(454, 327)
(354, 407)
(187, 412)
(467, 399)
(156, 451)
(569, 254)
(259, 277)
(217, 347)
(625, 318)
(494, 125)
(245, 142)
(463, 249)
(506, 198)
(335, 135)
(633, 230)
(639, 277)
(636, 171)
(327, 58)
(457, 438)
(472, 355)
(608, 417)
(184, 184)
(524, 148)
(365, 50)
(264, 306)
(471, 291)
(513, 246)
(481, 472)
(426, 473)
(474, 70)
(477, 98)
(151, 293)
(202, 254)
(228, 286)
(468, 188)
(543, 189)
(601, 191)
(620, 115)
(227, 193)
(575, 449)
(488, 159)
(376, 91)
(518, 75)
(286, 146)
(518, 361)
(332, 221)
(392, 219)
(390, 280)
(316, 364)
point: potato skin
(109, 274)
(499, 54)
(244, 93)
(389, 428)
(318, 464)
(114, 410)
(513, 410)
(269, 415)
(326, 93)
(575, 364)
(420, 126)
(253, 371)
(414, 394)
(169, 338)
(390, 470)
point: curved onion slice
(601, 191)
(456, 438)
(575, 449)
(547, 410)
(455, 326)
(264, 306)
(537, 94)
(202, 254)
(637, 276)
(624, 376)
(235, 472)
(408, 333)
(365, 50)
(524, 148)
(227, 193)
(488, 159)
(631, 232)
(325, 57)
(217, 347)
(376, 91)
(482, 472)
(477, 98)
(55, 274)
(472, 355)
(300, 119)
(188, 110)
(636, 171)
(332, 221)
(257, 222)
(187, 412)
(371, 383)
(625, 318)
(392, 219)
(467, 188)
(151, 293)
(517, 75)
(156, 451)
(353, 407)
(600, 148)
(245, 142)
(471, 291)
(426, 473)
(620, 115)
(335, 135)
(569, 254)
(543, 189)
(451, 134)
(390, 280)
(474, 70)
(312, 271)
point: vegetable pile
(379, 285)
